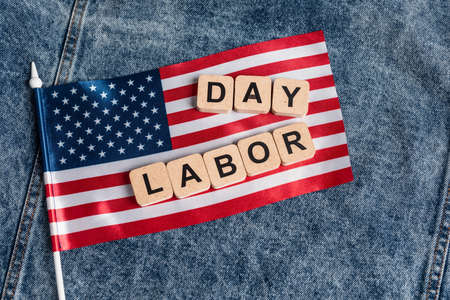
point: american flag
(94, 132)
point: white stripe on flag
(244, 63)
(222, 119)
(201, 200)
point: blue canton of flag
(101, 121)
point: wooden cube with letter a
(188, 175)
(225, 166)
(290, 97)
(259, 153)
(215, 93)
(151, 184)
(252, 94)
(294, 143)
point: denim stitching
(66, 43)
(83, 9)
(27, 235)
(434, 285)
(19, 231)
(36, 164)
(441, 271)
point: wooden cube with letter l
(151, 184)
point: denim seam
(35, 179)
(83, 9)
(12, 272)
(27, 235)
(70, 42)
(63, 55)
(440, 254)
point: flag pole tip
(35, 81)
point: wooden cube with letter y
(290, 97)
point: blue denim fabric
(383, 236)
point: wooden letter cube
(215, 93)
(151, 184)
(252, 94)
(188, 175)
(259, 153)
(290, 97)
(294, 143)
(225, 166)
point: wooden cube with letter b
(225, 166)
(151, 184)
(294, 143)
(215, 93)
(188, 175)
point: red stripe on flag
(193, 114)
(212, 133)
(323, 106)
(186, 116)
(285, 66)
(86, 184)
(115, 205)
(327, 129)
(233, 54)
(201, 215)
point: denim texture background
(383, 236)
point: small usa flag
(93, 133)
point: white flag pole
(36, 82)
(59, 276)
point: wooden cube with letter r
(294, 143)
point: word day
(222, 167)
(252, 94)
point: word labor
(222, 167)
(252, 94)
